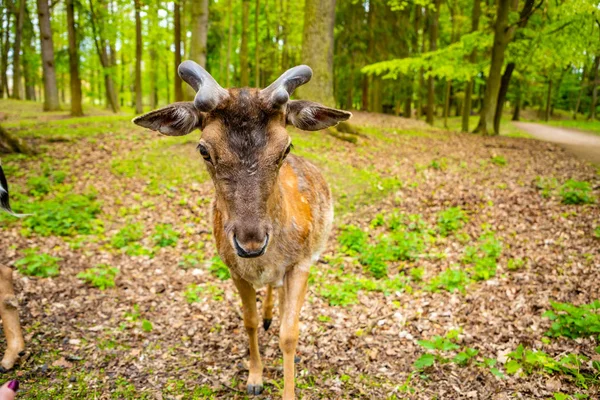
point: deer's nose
(250, 246)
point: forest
(465, 245)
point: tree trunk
(492, 87)
(593, 79)
(229, 44)
(4, 58)
(199, 38)
(504, 83)
(317, 50)
(285, 22)
(139, 107)
(244, 67)
(20, 19)
(76, 97)
(517, 111)
(106, 60)
(578, 103)
(447, 102)
(51, 102)
(257, 47)
(467, 104)
(433, 34)
(177, 39)
(548, 101)
(29, 52)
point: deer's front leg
(10, 320)
(248, 295)
(292, 298)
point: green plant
(572, 365)
(219, 269)
(417, 273)
(576, 192)
(197, 293)
(352, 239)
(374, 258)
(597, 232)
(342, 294)
(39, 185)
(128, 234)
(191, 260)
(451, 220)
(499, 160)
(38, 264)
(146, 326)
(438, 345)
(103, 276)
(64, 215)
(464, 357)
(441, 164)
(546, 185)
(514, 264)
(483, 258)
(573, 322)
(408, 245)
(164, 235)
(450, 280)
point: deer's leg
(268, 308)
(10, 320)
(294, 290)
(248, 295)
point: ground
(447, 251)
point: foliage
(64, 215)
(451, 220)
(546, 185)
(352, 239)
(573, 322)
(499, 160)
(198, 293)
(38, 264)
(164, 235)
(451, 279)
(515, 264)
(576, 192)
(128, 234)
(529, 361)
(219, 269)
(483, 258)
(103, 276)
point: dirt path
(584, 145)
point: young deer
(273, 210)
(8, 302)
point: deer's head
(244, 143)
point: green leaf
(146, 326)
(497, 372)
(512, 367)
(426, 360)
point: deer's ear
(311, 116)
(176, 119)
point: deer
(9, 306)
(273, 211)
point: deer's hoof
(255, 389)
(267, 323)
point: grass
(590, 126)
(507, 128)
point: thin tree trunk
(76, 97)
(517, 111)
(153, 21)
(593, 79)
(29, 52)
(244, 67)
(20, 19)
(548, 101)
(177, 39)
(4, 58)
(199, 37)
(578, 103)
(447, 102)
(504, 83)
(51, 102)
(433, 34)
(467, 104)
(492, 87)
(285, 55)
(257, 47)
(229, 44)
(366, 106)
(105, 61)
(139, 108)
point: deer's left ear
(176, 119)
(311, 116)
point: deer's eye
(204, 152)
(287, 151)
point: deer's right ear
(176, 119)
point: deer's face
(243, 145)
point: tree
(105, 52)
(229, 44)
(76, 96)
(51, 102)
(244, 66)
(19, 21)
(139, 108)
(257, 46)
(177, 39)
(317, 50)
(433, 35)
(492, 87)
(466, 112)
(199, 36)
(5, 41)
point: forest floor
(581, 143)
(464, 242)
